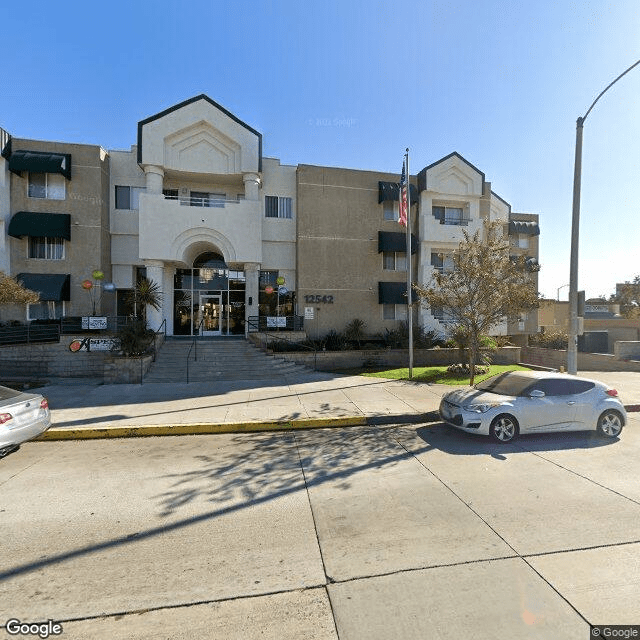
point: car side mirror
(536, 393)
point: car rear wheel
(504, 428)
(610, 424)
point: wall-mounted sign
(318, 298)
(94, 322)
(276, 321)
(308, 313)
(94, 344)
(280, 280)
(268, 289)
(283, 291)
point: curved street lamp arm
(635, 64)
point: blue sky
(353, 83)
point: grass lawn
(438, 374)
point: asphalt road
(400, 532)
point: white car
(520, 402)
(23, 416)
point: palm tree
(146, 293)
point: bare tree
(12, 292)
(485, 287)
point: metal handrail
(193, 201)
(29, 333)
(194, 344)
(266, 334)
(296, 322)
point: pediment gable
(452, 175)
(199, 136)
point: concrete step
(231, 359)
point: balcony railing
(192, 201)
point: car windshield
(6, 393)
(506, 384)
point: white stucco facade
(200, 184)
(5, 215)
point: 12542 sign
(319, 299)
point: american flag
(402, 217)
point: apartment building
(234, 238)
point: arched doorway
(209, 298)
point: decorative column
(252, 184)
(252, 274)
(155, 177)
(155, 273)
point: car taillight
(612, 392)
(44, 404)
(5, 417)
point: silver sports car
(534, 402)
(23, 416)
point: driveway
(409, 531)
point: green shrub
(549, 340)
(462, 369)
(135, 339)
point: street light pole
(558, 292)
(572, 347)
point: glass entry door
(211, 313)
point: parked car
(23, 416)
(519, 402)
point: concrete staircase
(218, 359)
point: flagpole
(409, 261)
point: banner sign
(94, 322)
(275, 321)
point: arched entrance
(209, 298)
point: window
(127, 197)
(46, 248)
(442, 262)
(521, 241)
(47, 185)
(442, 315)
(450, 215)
(392, 261)
(394, 312)
(551, 387)
(45, 310)
(277, 207)
(390, 210)
(206, 199)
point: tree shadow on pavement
(247, 471)
(255, 467)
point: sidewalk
(312, 400)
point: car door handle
(571, 402)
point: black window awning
(394, 293)
(47, 225)
(391, 191)
(528, 228)
(395, 241)
(50, 286)
(40, 162)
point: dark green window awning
(529, 228)
(395, 241)
(50, 286)
(47, 225)
(40, 162)
(394, 293)
(391, 191)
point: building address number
(319, 298)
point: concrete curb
(139, 431)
